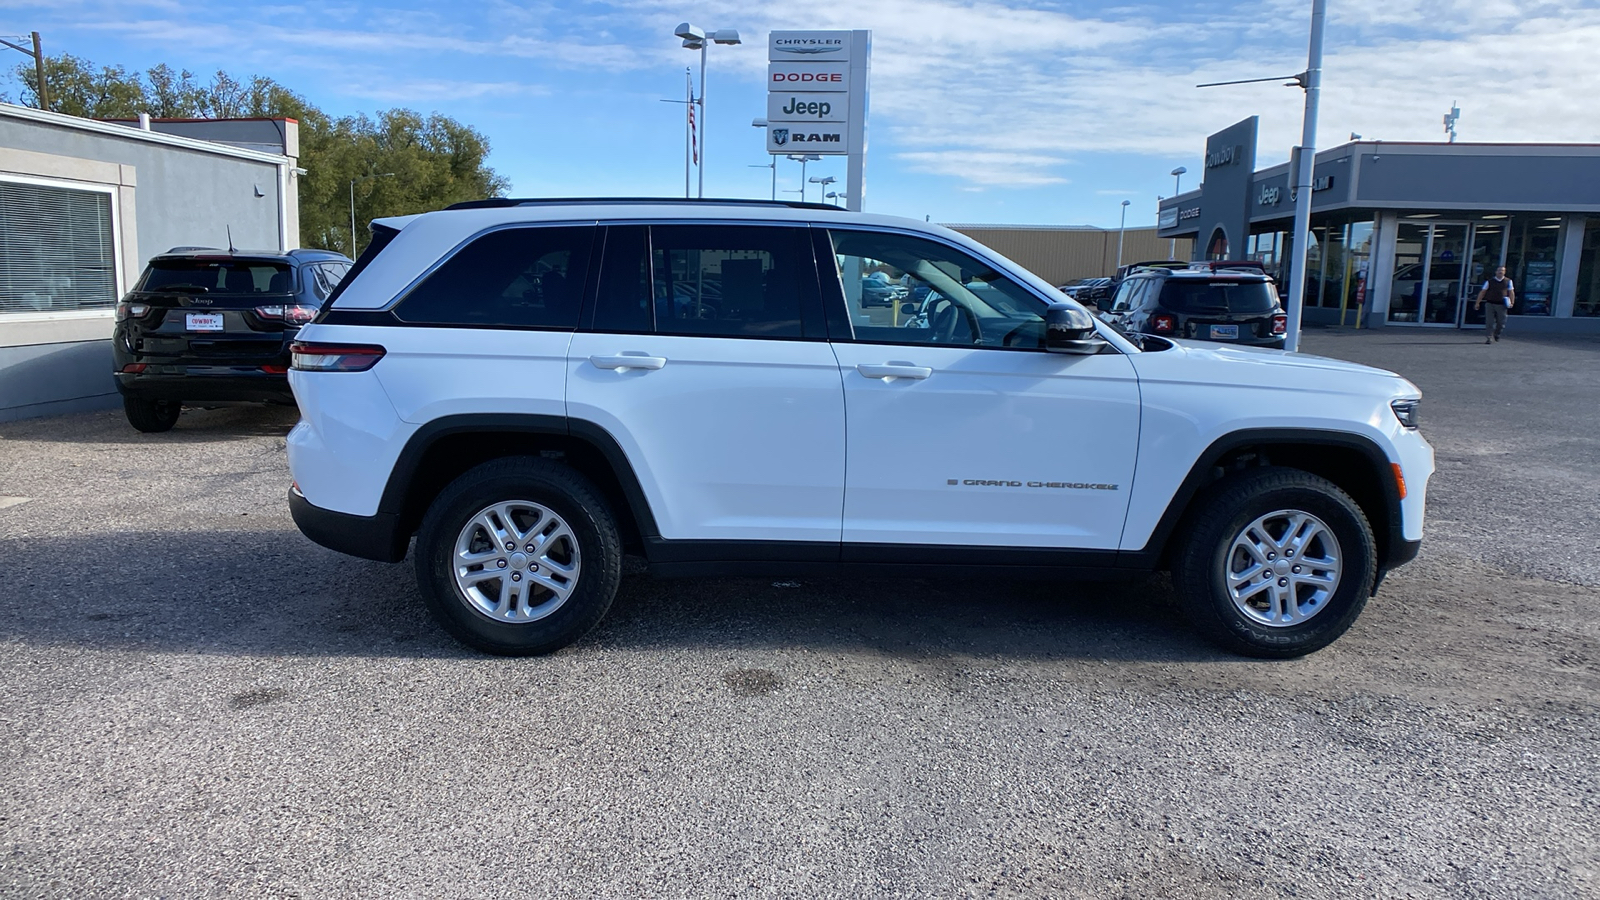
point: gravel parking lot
(198, 701)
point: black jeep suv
(1229, 302)
(215, 325)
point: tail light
(293, 315)
(1164, 323)
(127, 310)
(314, 357)
(1280, 324)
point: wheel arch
(440, 451)
(1354, 462)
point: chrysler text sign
(787, 106)
(809, 46)
(830, 76)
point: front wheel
(519, 556)
(1277, 563)
(151, 416)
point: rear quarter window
(530, 277)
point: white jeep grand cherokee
(534, 388)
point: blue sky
(1047, 113)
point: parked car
(204, 325)
(528, 440)
(1091, 291)
(1230, 302)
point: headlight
(1406, 411)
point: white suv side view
(534, 388)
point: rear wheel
(1277, 563)
(151, 416)
(519, 556)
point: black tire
(1222, 512)
(564, 492)
(151, 416)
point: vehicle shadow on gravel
(196, 426)
(272, 592)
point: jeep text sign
(787, 106)
(808, 76)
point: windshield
(218, 276)
(1219, 296)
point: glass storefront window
(1587, 302)
(1405, 291)
(1531, 263)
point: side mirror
(908, 309)
(1068, 329)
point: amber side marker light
(1399, 479)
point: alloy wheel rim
(516, 561)
(1283, 568)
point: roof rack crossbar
(507, 202)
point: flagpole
(688, 126)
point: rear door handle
(622, 362)
(893, 370)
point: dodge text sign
(808, 76)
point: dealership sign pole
(1305, 159)
(817, 98)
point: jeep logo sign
(787, 106)
(1269, 196)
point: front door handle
(891, 371)
(622, 362)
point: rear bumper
(230, 383)
(375, 537)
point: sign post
(817, 98)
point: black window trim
(811, 320)
(836, 283)
(584, 299)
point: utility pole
(38, 72)
(41, 89)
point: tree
(436, 159)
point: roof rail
(1217, 265)
(507, 202)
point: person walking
(1501, 295)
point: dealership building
(1404, 234)
(84, 204)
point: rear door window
(731, 280)
(512, 278)
(228, 277)
(1219, 296)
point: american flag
(694, 136)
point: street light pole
(1177, 188)
(696, 39)
(1302, 179)
(353, 207)
(1120, 229)
(802, 159)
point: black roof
(299, 254)
(505, 202)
